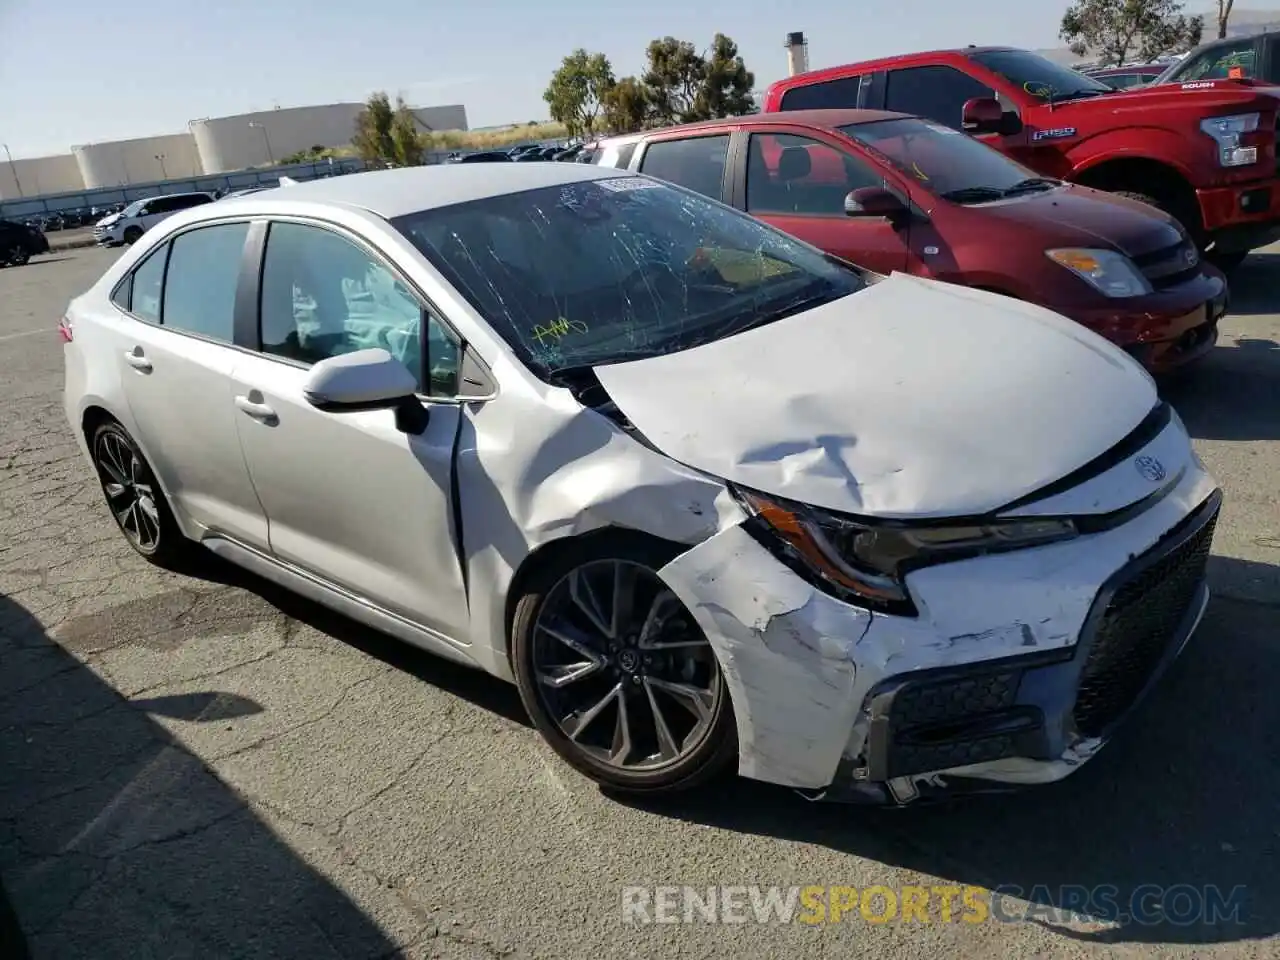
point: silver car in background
(709, 497)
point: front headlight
(1226, 132)
(867, 563)
(1111, 274)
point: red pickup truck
(1203, 151)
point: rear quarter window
(837, 94)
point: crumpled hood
(108, 220)
(1090, 218)
(912, 398)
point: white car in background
(141, 215)
(709, 497)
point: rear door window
(696, 163)
(934, 92)
(838, 94)
(200, 284)
(789, 174)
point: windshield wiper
(1032, 185)
(974, 194)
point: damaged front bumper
(1017, 670)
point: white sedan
(708, 496)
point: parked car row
(711, 498)
(70, 219)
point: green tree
(577, 90)
(626, 106)
(406, 141)
(373, 140)
(1116, 30)
(673, 81)
(727, 82)
(683, 85)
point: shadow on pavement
(1233, 394)
(472, 685)
(117, 842)
(1253, 285)
(1185, 795)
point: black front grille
(1170, 266)
(1134, 633)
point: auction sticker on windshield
(624, 184)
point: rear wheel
(617, 675)
(135, 498)
(17, 256)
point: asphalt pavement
(209, 767)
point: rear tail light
(64, 330)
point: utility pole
(13, 167)
(163, 173)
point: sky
(84, 71)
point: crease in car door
(349, 498)
(175, 364)
(799, 184)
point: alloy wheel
(17, 256)
(130, 491)
(621, 667)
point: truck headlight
(867, 563)
(1226, 132)
(1111, 274)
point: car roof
(394, 193)
(829, 118)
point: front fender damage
(786, 651)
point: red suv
(892, 192)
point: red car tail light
(64, 330)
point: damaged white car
(709, 497)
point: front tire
(615, 672)
(131, 235)
(17, 256)
(135, 499)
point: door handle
(259, 411)
(138, 360)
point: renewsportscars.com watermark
(1147, 905)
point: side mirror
(982, 115)
(875, 202)
(366, 380)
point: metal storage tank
(138, 161)
(265, 138)
(35, 176)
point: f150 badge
(1055, 134)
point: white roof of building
(394, 193)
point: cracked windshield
(608, 270)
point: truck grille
(1170, 266)
(1135, 631)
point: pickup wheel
(1147, 199)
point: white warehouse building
(210, 146)
(257, 139)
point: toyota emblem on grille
(1191, 255)
(1150, 468)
